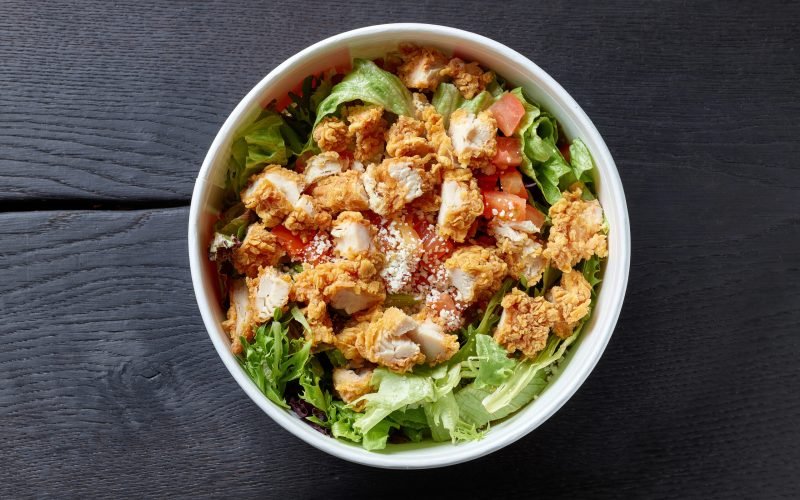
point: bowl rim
(442, 454)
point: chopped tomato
(564, 148)
(487, 182)
(509, 152)
(511, 182)
(292, 243)
(503, 205)
(508, 111)
(534, 216)
(445, 302)
(434, 247)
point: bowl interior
(374, 42)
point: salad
(408, 249)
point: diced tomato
(508, 111)
(511, 182)
(445, 302)
(434, 247)
(503, 205)
(509, 152)
(534, 216)
(564, 148)
(487, 182)
(292, 243)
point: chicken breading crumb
(475, 271)
(367, 129)
(351, 385)
(349, 285)
(263, 197)
(461, 204)
(395, 182)
(268, 291)
(385, 341)
(330, 134)
(341, 192)
(469, 78)
(306, 217)
(239, 321)
(260, 248)
(346, 339)
(321, 335)
(438, 139)
(474, 137)
(576, 233)
(421, 68)
(572, 299)
(406, 137)
(525, 323)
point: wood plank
(110, 386)
(120, 101)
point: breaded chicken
(435, 344)
(316, 313)
(421, 68)
(352, 235)
(349, 285)
(385, 341)
(576, 233)
(351, 385)
(519, 248)
(524, 323)
(346, 339)
(265, 198)
(394, 182)
(461, 204)
(406, 137)
(438, 139)
(571, 299)
(367, 130)
(260, 248)
(330, 134)
(239, 321)
(341, 192)
(469, 78)
(474, 137)
(475, 271)
(306, 216)
(267, 291)
(323, 165)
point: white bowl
(371, 42)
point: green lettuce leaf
(478, 103)
(257, 145)
(483, 327)
(446, 99)
(580, 160)
(442, 417)
(494, 365)
(369, 83)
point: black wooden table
(110, 386)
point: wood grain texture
(110, 385)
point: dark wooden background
(109, 385)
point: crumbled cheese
(402, 257)
(319, 249)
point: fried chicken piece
(385, 341)
(352, 235)
(330, 134)
(316, 313)
(268, 291)
(519, 249)
(421, 68)
(323, 165)
(351, 385)
(437, 136)
(260, 248)
(524, 323)
(406, 137)
(474, 137)
(346, 340)
(306, 216)
(577, 231)
(469, 78)
(475, 271)
(239, 321)
(571, 299)
(461, 204)
(341, 192)
(367, 129)
(394, 182)
(349, 285)
(435, 344)
(273, 193)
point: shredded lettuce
(369, 83)
(446, 99)
(478, 103)
(493, 364)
